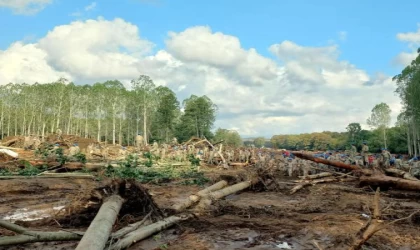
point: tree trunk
(99, 230)
(207, 199)
(385, 137)
(387, 181)
(145, 126)
(410, 149)
(326, 162)
(144, 232)
(195, 198)
(400, 173)
(414, 138)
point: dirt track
(328, 213)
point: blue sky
(371, 26)
(293, 83)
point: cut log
(9, 153)
(195, 198)
(311, 182)
(316, 176)
(130, 228)
(400, 173)
(238, 164)
(337, 164)
(28, 236)
(49, 175)
(207, 199)
(144, 232)
(10, 142)
(99, 230)
(388, 181)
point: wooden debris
(388, 181)
(28, 236)
(337, 164)
(312, 182)
(207, 199)
(99, 230)
(144, 232)
(400, 173)
(316, 176)
(195, 198)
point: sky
(271, 66)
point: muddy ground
(331, 214)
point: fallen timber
(369, 177)
(337, 164)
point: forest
(105, 111)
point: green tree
(353, 130)
(166, 113)
(197, 119)
(380, 119)
(229, 137)
(259, 142)
(144, 89)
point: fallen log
(388, 181)
(195, 198)
(311, 182)
(207, 199)
(400, 173)
(144, 232)
(28, 236)
(99, 230)
(337, 164)
(9, 153)
(316, 176)
(10, 142)
(48, 175)
(130, 228)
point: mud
(331, 214)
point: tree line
(408, 88)
(106, 111)
(381, 136)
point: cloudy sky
(271, 66)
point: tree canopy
(106, 111)
(229, 137)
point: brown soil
(331, 214)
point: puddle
(24, 214)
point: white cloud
(410, 37)
(91, 6)
(26, 63)
(25, 7)
(342, 35)
(95, 49)
(413, 40)
(311, 90)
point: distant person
(365, 154)
(59, 134)
(139, 141)
(353, 152)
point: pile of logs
(99, 234)
(399, 179)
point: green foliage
(229, 137)
(149, 162)
(5, 172)
(353, 130)
(101, 105)
(259, 142)
(194, 161)
(197, 119)
(79, 157)
(131, 169)
(30, 170)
